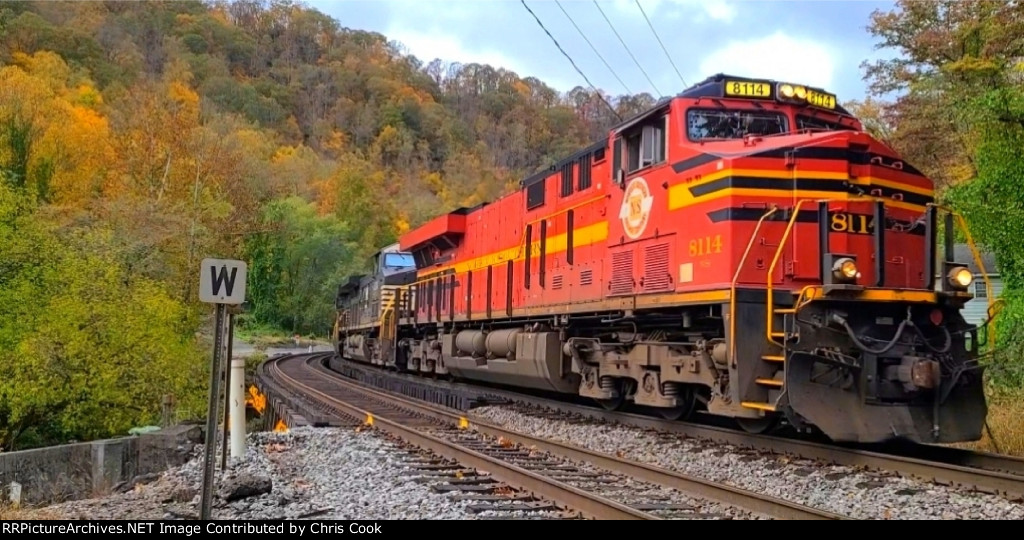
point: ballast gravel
(311, 473)
(838, 489)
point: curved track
(315, 390)
(981, 471)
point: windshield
(733, 124)
(399, 260)
(806, 122)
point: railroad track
(594, 485)
(972, 470)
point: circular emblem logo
(636, 208)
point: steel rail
(980, 471)
(587, 503)
(968, 473)
(699, 487)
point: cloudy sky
(819, 43)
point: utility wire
(585, 38)
(655, 32)
(596, 91)
(627, 48)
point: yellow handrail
(962, 223)
(385, 331)
(735, 278)
(769, 302)
(775, 260)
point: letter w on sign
(222, 281)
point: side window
(979, 289)
(535, 195)
(566, 173)
(584, 167)
(807, 122)
(645, 144)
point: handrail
(962, 223)
(993, 311)
(735, 278)
(775, 261)
(388, 310)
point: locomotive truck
(744, 249)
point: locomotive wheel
(682, 412)
(758, 425)
(613, 404)
(674, 413)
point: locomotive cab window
(706, 124)
(399, 260)
(819, 124)
(645, 144)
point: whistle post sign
(222, 281)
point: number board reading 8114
(821, 99)
(748, 89)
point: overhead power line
(627, 48)
(596, 91)
(585, 38)
(655, 32)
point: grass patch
(10, 513)
(264, 342)
(252, 362)
(263, 337)
(1005, 422)
(248, 330)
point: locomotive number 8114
(743, 249)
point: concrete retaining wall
(83, 470)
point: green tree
(84, 351)
(961, 117)
(297, 264)
(137, 139)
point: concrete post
(15, 496)
(238, 407)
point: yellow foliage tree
(56, 140)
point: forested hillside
(138, 138)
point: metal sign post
(227, 394)
(221, 282)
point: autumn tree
(85, 352)
(137, 139)
(960, 116)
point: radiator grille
(622, 272)
(556, 282)
(656, 275)
(586, 277)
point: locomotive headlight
(787, 90)
(800, 92)
(845, 269)
(960, 277)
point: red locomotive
(743, 248)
